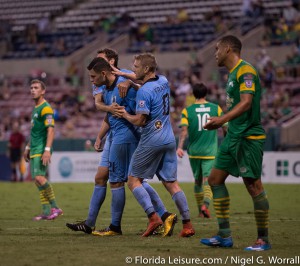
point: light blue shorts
(104, 162)
(159, 160)
(119, 159)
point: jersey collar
(40, 104)
(152, 79)
(235, 65)
(113, 85)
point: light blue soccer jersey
(153, 99)
(98, 90)
(122, 131)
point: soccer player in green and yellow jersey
(203, 144)
(38, 150)
(241, 152)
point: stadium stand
(56, 29)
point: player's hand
(123, 87)
(97, 145)
(180, 152)
(214, 122)
(120, 111)
(115, 108)
(46, 158)
(116, 71)
(26, 156)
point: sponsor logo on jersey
(158, 125)
(248, 80)
(243, 169)
(142, 104)
(229, 102)
(203, 109)
(49, 119)
(230, 84)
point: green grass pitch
(27, 243)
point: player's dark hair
(148, 60)
(234, 43)
(43, 86)
(99, 64)
(199, 90)
(110, 54)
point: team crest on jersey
(142, 104)
(49, 119)
(158, 125)
(243, 169)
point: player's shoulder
(46, 108)
(245, 68)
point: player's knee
(101, 176)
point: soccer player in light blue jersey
(123, 141)
(156, 151)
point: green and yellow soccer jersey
(203, 144)
(41, 119)
(243, 78)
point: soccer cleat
(154, 223)
(205, 213)
(169, 224)
(260, 245)
(187, 230)
(106, 232)
(80, 226)
(217, 241)
(40, 217)
(55, 212)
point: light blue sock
(117, 205)
(143, 199)
(182, 205)
(96, 201)
(155, 199)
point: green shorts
(37, 168)
(240, 157)
(201, 167)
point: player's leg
(224, 165)
(144, 163)
(119, 158)
(99, 193)
(169, 180)
(87, 226)
(47, 198)
(207, 197)
(251, 166)
(198, 188)
(169, 219)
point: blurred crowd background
(53, 41)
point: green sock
(261, 213)
(207, 193)
(198, 192)
(221, 205)
(44, 201)
(50, 195)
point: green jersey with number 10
(203, 144)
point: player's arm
(137, 119)
(46, 157)
(100, 105)
(26, 153)
(243, 106)
(126, 75)
(125, 85)
(102, 132)
(182, 137)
